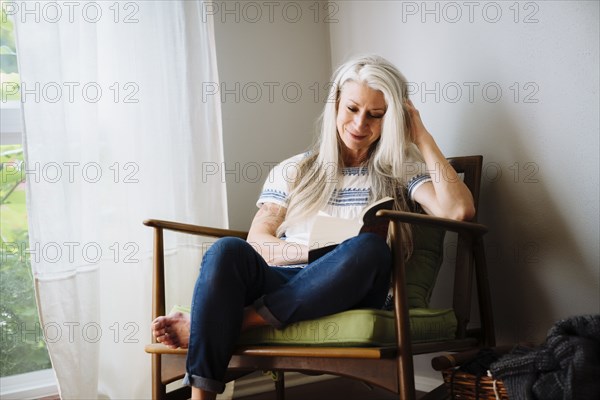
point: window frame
(30, 385)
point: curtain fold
(117, 130)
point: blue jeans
(356, 274)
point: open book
(328, 231)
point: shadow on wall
(530, 239)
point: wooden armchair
(389, 366)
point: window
(24, 359)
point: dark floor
(332, 389)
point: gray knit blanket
(566, 366)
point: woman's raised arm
(446, 195)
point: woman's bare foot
(172, 330)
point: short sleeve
(415, 174)
(416, 182)
(276, 188)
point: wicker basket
(462, 385)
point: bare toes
(172, 330)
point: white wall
(539, 137)
(278, 55)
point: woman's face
(359, 119)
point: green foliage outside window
(22, 348)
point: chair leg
(279, 380)
(159, 391)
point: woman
(372, 144)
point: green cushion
(362, 327)
(423, 266)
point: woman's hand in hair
(418, 132)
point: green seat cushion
(424, 264)
(361, 327)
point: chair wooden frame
(388, 367)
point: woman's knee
(374, 251)
(228, 248)
(225, 254)
(372, 242)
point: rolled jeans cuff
(210, 385)
(263, 311)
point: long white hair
(387, 159)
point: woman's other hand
(418, 132)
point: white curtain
(117, 130)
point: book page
(328, 230)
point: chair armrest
(194, 229)
(423, 219)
